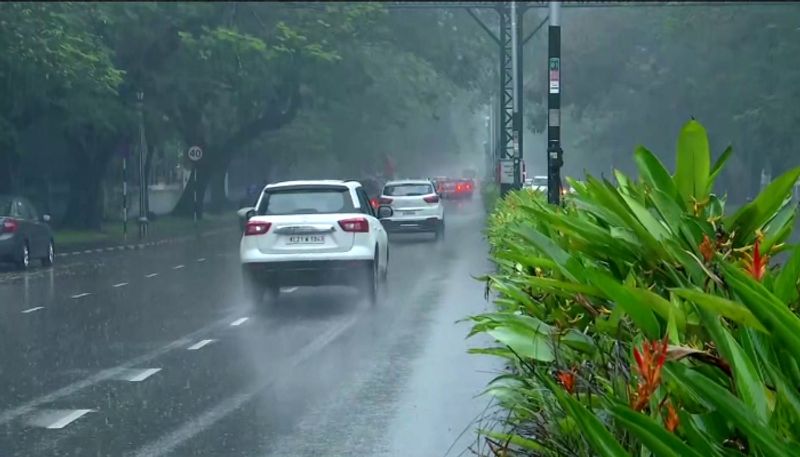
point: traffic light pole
(554, 152)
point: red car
(455, 188)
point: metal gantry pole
(554, 151)
(506, 91)
(516, 34)
(125, 196)
(142, 180)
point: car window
(363, 199)
(324, 200)
(30, 210)
(407, 190)
(22, 210)
(539, 181)
(5, 206)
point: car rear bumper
(9, 247)
(306, 272)
(430, 224)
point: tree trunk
(185, 205)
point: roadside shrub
(642, 319)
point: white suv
(416, 207)
(313, 233)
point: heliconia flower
(649, 362)
(707, 249)
(567, 379)
(672, 420)
(756, 264)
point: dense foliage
(332, 82)
(643, 319)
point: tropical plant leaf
(722, 306)
(693, 163)
(661, 442)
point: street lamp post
(142, 181)
(554, 151)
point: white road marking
(289, 290)
(177, 267)
(136, 374)
(200, 344)
(151, 275)
(57, 418)
(98, 250)
(201, 259)
(81, 295)
(239, 321)
(105, 375)
(120, 284)
(168, 443)
(30, 310)
(88, 251)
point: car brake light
(385, 201)
(10, 226)
(356, 225)
(458, 188)
(432, 199)
(256, 228)
(374, 202)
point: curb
(138, 246)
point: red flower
(757, 265)
(707, 249)
(649, 362)
(672, 420)
(567, 379)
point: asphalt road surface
(153, 353)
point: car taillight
(385, 201)
(458, 188)
(374, 202)
(356, 225)
(10, 225)
(256, 228)
(432, 199)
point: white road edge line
(144, 374)
(167, 443)
(200, 344)
(30, 310)
(81, 295)
(151, 275)
(72, 416)
(239, 321)
(120, 284)
(177, 267)
(290, 290)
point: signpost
(195, 153)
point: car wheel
(371, 283)
(385, 271)
(50, 258)
(24, 261)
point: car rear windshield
(407, 190)
(5, 206)
(320, 200)
(539, 181)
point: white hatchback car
(313, 233)
(416, 207)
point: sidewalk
(161, 231)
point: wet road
(153, 353)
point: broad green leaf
(652, 434)
(722, 306)
(563, 287)
(601, 440)
(693, 163)
(720, 399)
(549, 248)
(659, 304)
(578, 341)
(524, 443)
(780, 227)
(654, 173)
(717, 167)
(524, 343)
(758, 212)
(642, 316)
(646, 219)
(746, 376)
(785, 286)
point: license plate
(408, 212)
(307, 239)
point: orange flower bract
(649, 362)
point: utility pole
(516, 64)
(554, 151)
(142, 181)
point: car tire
(440, 232)
(49, 259)
(24, 259)
(370, 283)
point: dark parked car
(24, 235)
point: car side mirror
(384, 212)
(246, 213)
(46, 218)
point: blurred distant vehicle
(536, 183)
(416, 207)
(313, 233)
(24, 235)
(451, 188)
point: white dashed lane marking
(56, 418)
(151, 275)
(122, 284)
(30, 310)
(136, 374)
(239, 321)
(200, 344)
(84, 294)
(289, 290)
(177, 267)
(201, 259)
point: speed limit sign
(195, 153)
